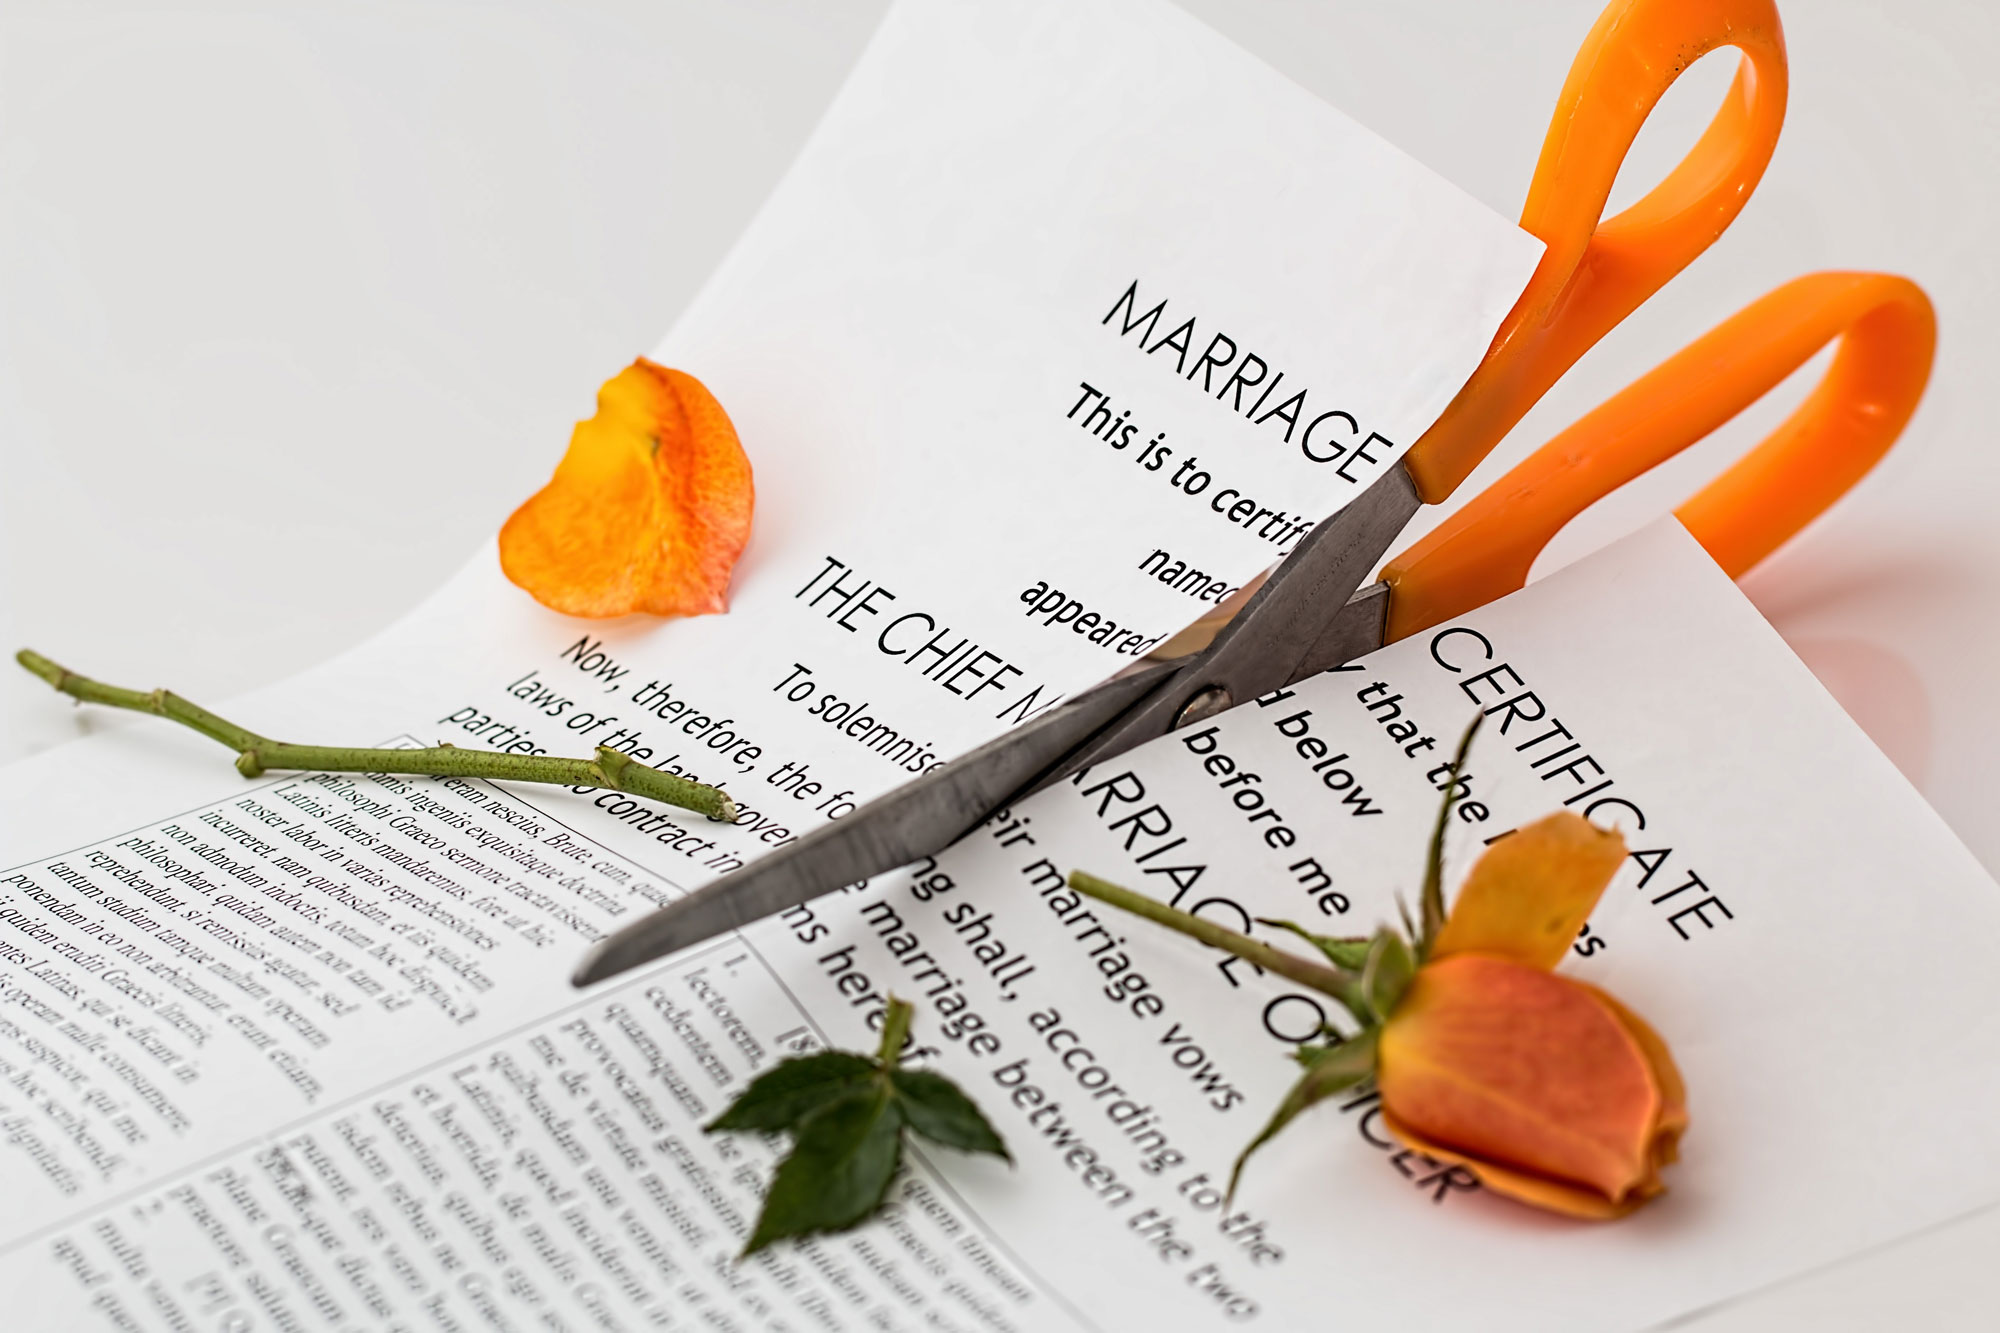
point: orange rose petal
(648, 510)
(1524, 1070)
(1673, 1121)
(1523, 1186)
(1531, 892)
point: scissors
(1308, 616)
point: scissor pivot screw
(1206, 703)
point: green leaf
(935, 1108)
(838, 1171)
(1329, 1070)
(846, 1114)
(783, 1096)
(1387, 972)
(1343, 951)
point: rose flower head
(1544, 1087)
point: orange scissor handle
(1594, 273)
(1887, 333)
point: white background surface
(322, 287)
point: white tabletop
(298, 301)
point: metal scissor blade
(1287, 628)
(915, 820)
(1285, 633)
(1357, 629)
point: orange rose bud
(648, 510)
(1545, 1088)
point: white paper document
(1070, 319)
(1793, 919)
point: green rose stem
(895, 1028)
(256, 754)
(1328, 980)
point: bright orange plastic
(1887, 331)
(1597, 272)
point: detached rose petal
(1531, 892)
(648, 510)
(1541, 1085)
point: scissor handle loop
(1594, 273)
(1887, 334)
